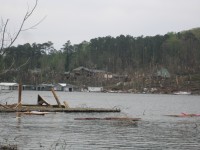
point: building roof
(80, 69)
(62, 84)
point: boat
(182, 93)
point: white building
(8, 86)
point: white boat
(182, 93)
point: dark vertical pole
(20, 93)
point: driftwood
(19, 105)
(35, 113)
(9, 107)
(66, 105)
(4, 106)
(184, 115)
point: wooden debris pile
(43, 106)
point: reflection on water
(61, 131)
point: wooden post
(20, 93)
(56, 97)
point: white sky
(79, 20)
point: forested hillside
(178, 52)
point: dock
(43, 106)
(26, 108)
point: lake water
(60, 131)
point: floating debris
(111, 118)
(184, 115)
(35, 113)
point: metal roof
(62, 84)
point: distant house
(81, 71)
(95, 89)
(44, 87)
(63, 87)
(8, 86)
(88, 72)
(163, 72)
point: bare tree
(7, 39)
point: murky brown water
(61, 131)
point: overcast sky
(79, 20)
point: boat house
(63, 87)
(8, 86)
(28, 87)
(44, 87)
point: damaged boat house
(63, 87)
(8, 86)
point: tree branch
(3, 35)
(27, 15)
(32, 27)
(5, 71)
(23, 64)
(13, 39)
(17, 69)
(7, 39)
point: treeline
(178, 52)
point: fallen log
(35, 113)
(122, 118)
(111, 118)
